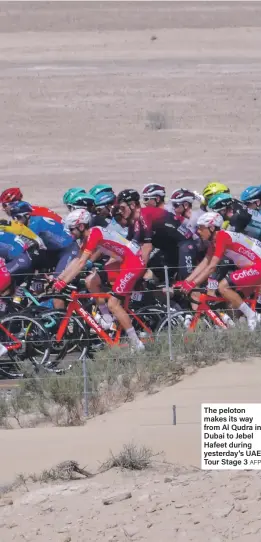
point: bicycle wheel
(35, 349)
(178, 320)
(151, 316)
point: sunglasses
(176, 205)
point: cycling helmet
(71, 193)
(220, 201)
(104, 198)
(153, 190)
(251, 194)
(81, 200)
(11, 195)
(210, 219)
(214, 188)
(182, 196)
(128, 196)
(95, 190)
(77, 217)
(20, 208)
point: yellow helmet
(214, 188)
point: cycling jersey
(46, 212)
(11, 245)
(110, 242)
(239, 248)
(114, 225)
(51, 232)
(159, 227)
(245, 252)
(21, 232)
(131, 265)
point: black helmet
(128, 196)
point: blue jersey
(11, 245)
(51, 232)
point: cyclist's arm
(75, 267)
(145, 251)
(221, 243)
(206, 272)
(199, 269)
(78, 264)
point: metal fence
(169, 313)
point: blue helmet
(20, 208)
(251, 193)
(104, 198)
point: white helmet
(77, 217)
(152, 190)
(210, 219)
(182, 195)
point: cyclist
(102, 213)
(97, 188)
(130, 264)
(60, 247)
(118, 223)
(211, 190)
(181, 201)
(13, 195)
(81, 200)
(153, 195)
(71, 193)
(242, 250)
(16, 238)
(251, 196)
(237, 215)
(156, 227)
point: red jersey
(242, 250)
(110, 242)
(46, 213)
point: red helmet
(11, 195)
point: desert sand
(81, 86)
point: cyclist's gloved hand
(178, 284)
(4, 222)
(187, 287)
(89, 265)
(59, 285)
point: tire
(35, 348)
(178, 320)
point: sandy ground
(80, 83)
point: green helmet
(220, 201)
(82, 199)
(69, 194)
(95, 190)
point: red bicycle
(208, 310)
(95, 336)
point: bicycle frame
(17, 344)
(203, 308)
(75, 306)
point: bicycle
(114, 335)
(211, 318)
(25, 340)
